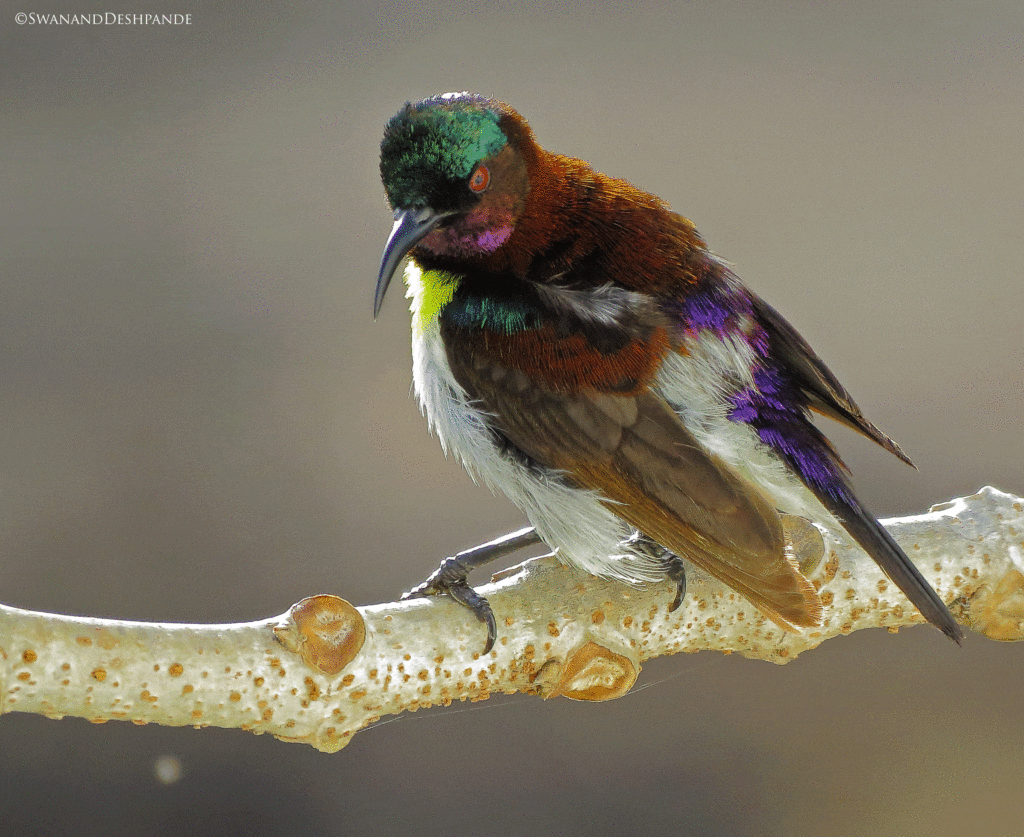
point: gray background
(201, 422)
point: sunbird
(580, 349)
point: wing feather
(823, 390)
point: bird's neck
(580, 228)
(583, 228)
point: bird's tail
(881, 546)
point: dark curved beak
(411, 226)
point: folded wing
(635, 451)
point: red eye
(479, 179)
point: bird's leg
(450, 579)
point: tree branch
(326, 669)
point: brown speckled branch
(326, 669)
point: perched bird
(577, 345)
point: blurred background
(200, 420)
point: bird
(581, 350)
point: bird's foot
(672, 565)
(675, 569)
(451, 578)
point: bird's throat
(477, 234)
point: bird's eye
(480, 179)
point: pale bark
(325, 669)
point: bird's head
(455, 171)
